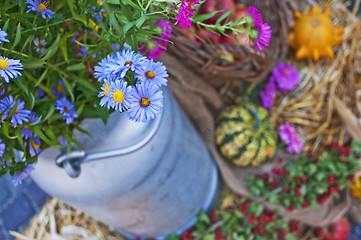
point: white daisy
(39, 45)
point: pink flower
(289, 135)
(185, 11)
(256, 16)
(268, 94)
(263, 37)
(152, 50)
(295, 146)
(286, 76)
(287, 131)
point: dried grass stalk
(58, 221)
(311, 106)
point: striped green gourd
(244, 134)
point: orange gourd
(314, 35)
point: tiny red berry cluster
(310, 181)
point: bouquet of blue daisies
(62, 61)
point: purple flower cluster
(20, 177)
(263, 32)
(289, 135)
(155, 47)
(186, 10)
(131, 83)
(287, 78)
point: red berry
(252, 218)
(275, 170)
(350, 177)
(290, 208)
(280, 160)
(310, 154)
(265, 177)
(282, 235)
(285, 189)
(331, 179)
(332, 190)
(306, 204)
(218, 231)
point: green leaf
(42, 77)
(126, 11)
(17, 36)
(224, 15)
(69, 88)
(139, 22)
(203, 17)
(33, 64)
(6, 25)
(49, 112)
(76, 67)
(128, 26)
(114, 22)
(63, 45)
(40, 133)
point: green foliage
(242, 219)
(311, 180)
(78, 36)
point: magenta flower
(151, 49)
(263, 37)
(295, 147)
(286, 76)
(185, 11)
(289, 135)
(268, 94)
(256, 16)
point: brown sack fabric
(201, 102)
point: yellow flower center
(36, 93)
(144, 102)
(41, 6)
(118, 96)
(66, 109)
(100, 2)
(4, 63)
(106, 89)
(59, 88)
(150, 74)
(16, 111)
(36, 145)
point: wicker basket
(249, 64)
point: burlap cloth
(202, 102)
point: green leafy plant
(310, 181)
(48, 52)
(240, 220)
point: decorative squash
(244, 134)
(314, 34)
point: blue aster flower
(34, 147)
(103, 72)
(2, 148)
(20, 115)
(125, 60)
(38, 93)
(116, 46)
(39, 6)
(8, 68)
(83, 52)
(147, 102)
(3, 34)
(154, 72)
(19, 177)
(26, 133)
(120, 95)
(62, 141)
(105, 101)
(67, 109)
(40, 45)
(58, 89)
